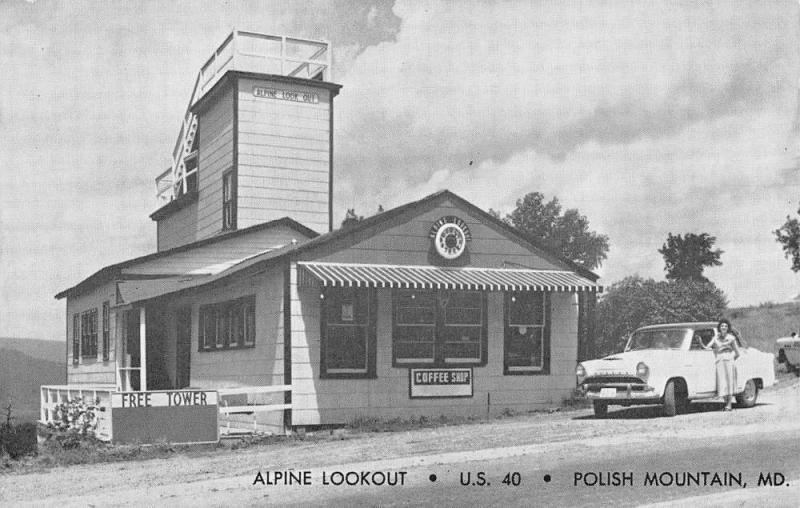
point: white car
(789, 353)
(668, 364)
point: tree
(567, 234)
(351, 219)
(634, 302)
(788, 236)
(686, 257)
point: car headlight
(580, 372)
(642, 371)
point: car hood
(625, 363)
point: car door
(702, 374)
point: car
(789, 353)
(668, 364)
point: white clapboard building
(432, 308)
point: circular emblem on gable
(450, 235)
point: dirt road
(550, 441)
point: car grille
(610, 380)
(621, 383)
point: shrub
(18, 440)
(634, 302)
(77, 416)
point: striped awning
(434, 277)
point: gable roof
(112, 272)
(431, 201)
(345, 237)
(349, 235)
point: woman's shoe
(727, 409)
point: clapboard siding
(215, 131)
(93, 370)
(273, 184)
(409, 243)
(283, 157)
(259, 366)
(250, 139)
(308, 219)
(179, 228)
(334, 401)
(282, 168)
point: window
(89, 334)
(228, 201)
(76, 338)
(526, 333)
(106, 330)
(228, 325)
(348, 320)
(249, 332)
(439, 328)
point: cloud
(481, 82)
(750, 86)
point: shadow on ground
(643, 412)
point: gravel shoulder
(220, 477)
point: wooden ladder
(189, 131)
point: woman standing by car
(726, 350)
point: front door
(131, 357)
(183, 321)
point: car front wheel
(749, 396)
(600, 409)
(673, 399)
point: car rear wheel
(600, 409)
(674, 399)
(749, 396)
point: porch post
(142, 351)
(118, 353)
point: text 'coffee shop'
(432, 308)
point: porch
(92, 408)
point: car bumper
(620, 392)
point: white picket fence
(234, 425)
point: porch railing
(228, 408)
(53, 396)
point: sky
(650, 118)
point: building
(431, 308)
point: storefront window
(526, 333)
(415, 327)
(439, 328)
(348, 332)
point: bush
(77, 416)
(18, 440)
(634, 302)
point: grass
(762, 324)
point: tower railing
(245, 52)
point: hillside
(50, 350)
(23, 371)
(761, 325)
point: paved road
(738, 458)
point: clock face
(450, 235)
(450, 241)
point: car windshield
(656, 339)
